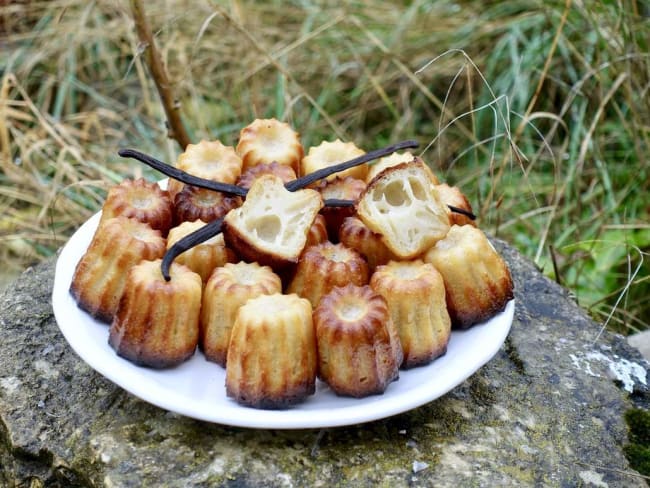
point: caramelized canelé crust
(346, 188)
(356, 235)
(328, 154)
(477, 280)
(394, 160)
(267, 140)
(451, 195)
(204, 257)
(141, 200)
(99, 278)
(194, 203)
(415, 293)
(282, 171)
(359, 352)
(272, 353)
(317, 232)
(157, 322)
(210, 160)
(324, 266)
(229, 288)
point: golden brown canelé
(330, 153)
(157, 321)
(451, 195)
(282, 171)
(194, 203)
(141, 200)
(267, 140)
(477, 280)
(202, 258)
(317, 232)
(229, 288)
(324, 266)
(210, 160)
(358, 236)
(346, 188)
(415, 294)
(272, 353)
(359, 352)
(118, 244)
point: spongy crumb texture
(402, 205)
(272, 224)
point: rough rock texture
(546, 411)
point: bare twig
(159, 73)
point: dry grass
(538, 111)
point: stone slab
(546, 411)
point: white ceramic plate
(197, 387)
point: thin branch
(176, 129)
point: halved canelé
(403, 207)
(271, 226)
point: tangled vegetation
(539, 111)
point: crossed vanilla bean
(294, 185)
(213, 228)
(180, 175)
(307, 180)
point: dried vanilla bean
(181, 175)
(462, 211)
(307, 180)
(335, 202)
(206, 232)
(294, 185)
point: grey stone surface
(546, 411)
